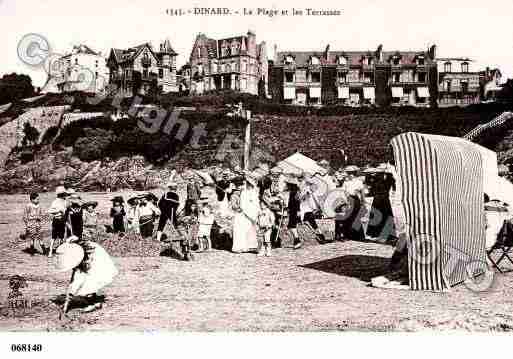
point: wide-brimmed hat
(172, 184)
(204, 200)
(131, 200)
(291, 180)
(351, 168)
(324, 162)
(149, 196)
(60, 190)
(276, 170)
(69, 255)
(89, 204)
(118, 199)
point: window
(396, 77)
(289, 60)
(145, 73)
(447, 67)
(448, 85)
(316, 77)
(464, 67)
(396, 60)
(420, 61)
(370, 61)
(464, 86)
(214, 68)
(314, 60)
(161, 73)
(289, 77)
(342, 60)
(127, 73)
(76, 61)
(96, 63)
(199, 52)
(422, 77)
(341, 77)
(243, 67)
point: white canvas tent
(297, 163)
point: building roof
(166, 48)
(302, 58)
(129, 54)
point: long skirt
(244, 234)
(381, 214)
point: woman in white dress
(245, 219)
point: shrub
(94, 145)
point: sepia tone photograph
(286, 167)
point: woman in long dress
(245, 219)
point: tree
(136, 83)
(15, 87)
(31, 135)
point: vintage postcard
(256, 167)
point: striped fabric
(442, 194)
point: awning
(397, 92)
(289, 93)
(423, 92)
(369, 93)
(315, 92)
(343, 92)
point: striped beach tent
(441, 180)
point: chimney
(379, 53)
(432, 52)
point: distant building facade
(145, 66)
(238, 63)
(83, 70)
(354, 78)
(490, 83)
(458, 82)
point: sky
(480, 30)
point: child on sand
(92, 269)
(117, 212)
(57, 210)
(90, 221)
(265, 224)
(32, 217)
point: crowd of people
(260, 204)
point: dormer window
(420, 61)
(464, 67)
(447, 67)
(396, 60)
(314, 60)
(342, 60)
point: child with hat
(265, 222)
(205, 222)
(92, 269)
(147, 214)
(132, 215)
(90, 221)
(32, 217)
(57, 210)
(117, 212)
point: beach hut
(442, 181)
